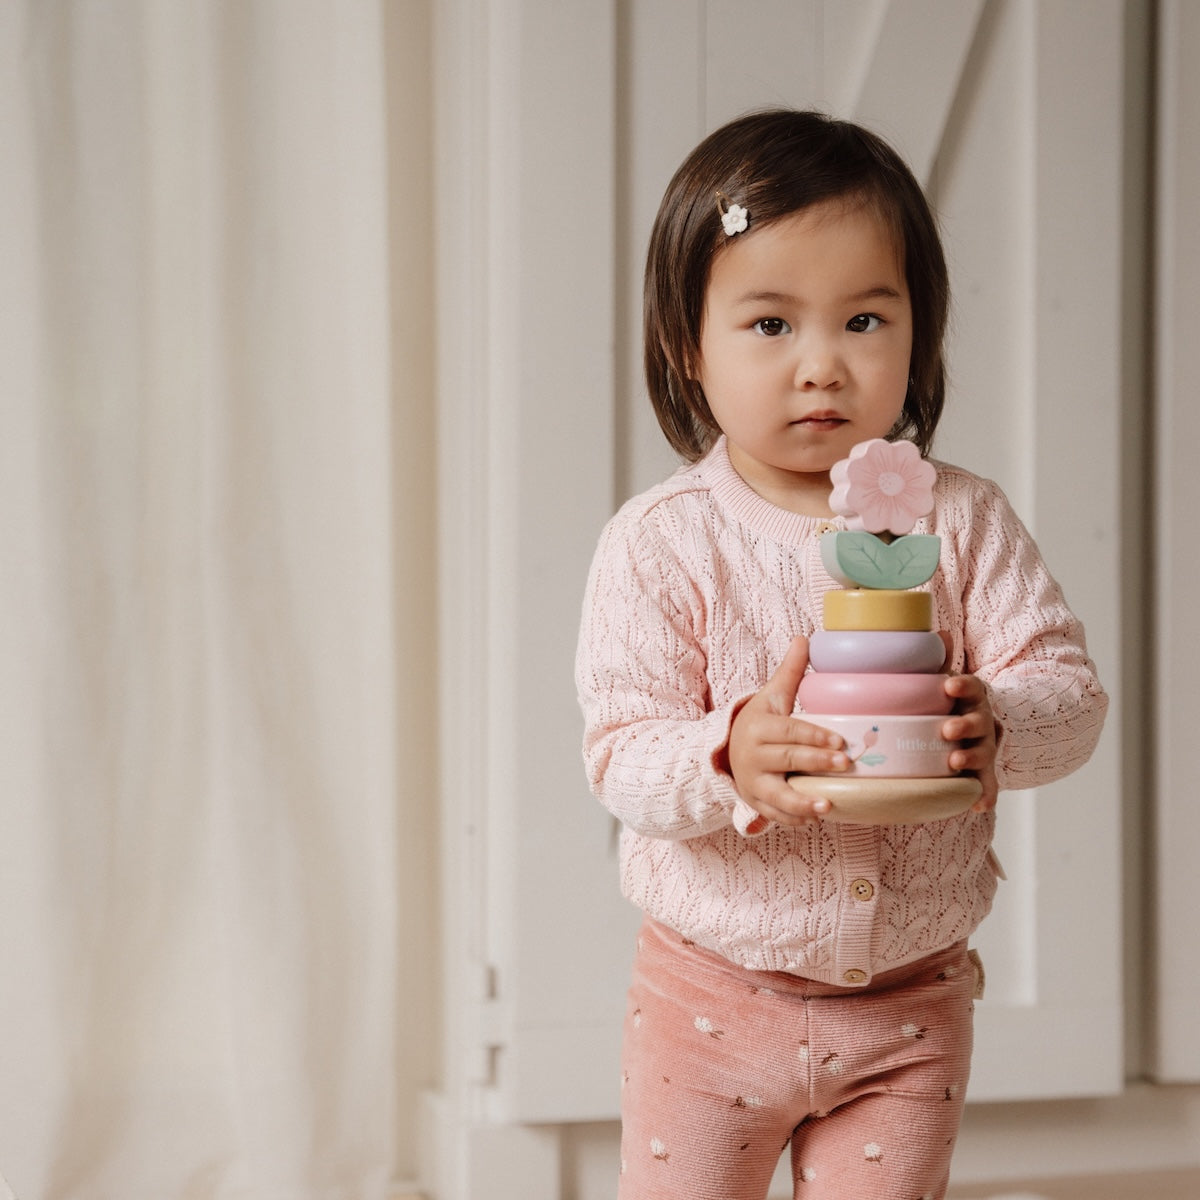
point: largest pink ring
(890, 747)
(905, 695)
(885, 651)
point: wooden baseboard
(1144, 1185)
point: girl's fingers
(965, 760)
(788, 807)
(787, 731)
(809, 760)
(965, 687)
(976, 726)
(781, 689)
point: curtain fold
(198, 870)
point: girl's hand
(766, 744)
(975, 726)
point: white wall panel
(1029, 183)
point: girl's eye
(863, 323)
(772, 326)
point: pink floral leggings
(724, 1067)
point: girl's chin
(807, 460)
(809, 469)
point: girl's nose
(820, 368)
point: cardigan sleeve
(1025, 643)
(652, 741)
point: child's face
(805, 347)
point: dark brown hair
(775, 163)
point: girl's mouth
(821, 422)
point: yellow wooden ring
(878, 608)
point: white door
(1176, 1041)
(562, 122)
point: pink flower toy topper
(883, 487)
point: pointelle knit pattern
(696, 590)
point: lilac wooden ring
(885, 651)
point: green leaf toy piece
(856, 558)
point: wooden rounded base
(890, 801)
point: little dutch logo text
(922, 744)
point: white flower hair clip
(734, 218)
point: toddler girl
(799, 981)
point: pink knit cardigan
(696, 590)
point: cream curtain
(203, 614)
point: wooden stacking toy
(876, 674)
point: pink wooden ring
(876, 651)
(902, 695)
(889, 747)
